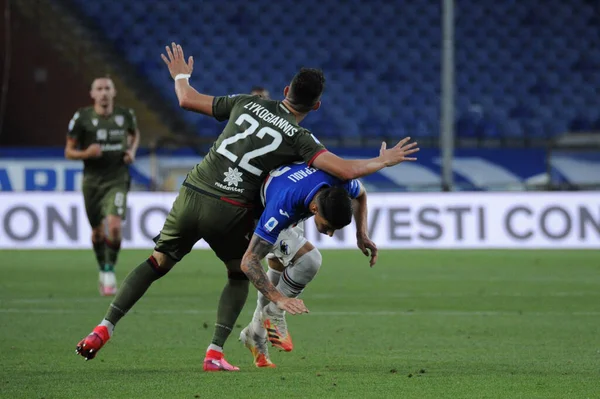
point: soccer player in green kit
(217, 200)
(105, 137)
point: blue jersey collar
(313, 192)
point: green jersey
(261, 135)
(111, 132)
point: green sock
(112, 252)
(100, 251)
(232, 302)
(132, 289)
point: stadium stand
(525, 69)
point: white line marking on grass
(477, 295)
(577, 294)
(460, 313)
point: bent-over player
(290, 195)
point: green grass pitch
(421, 324)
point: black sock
(133, 288)
(112, 252)
(100, 251)
(233, 299)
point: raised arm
(252, 267)
(359, 211)
(191, 100)
(181, 71)
(353, 169)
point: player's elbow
(184, 102)
(244, 265)
(341, 169)
(68, 154)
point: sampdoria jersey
(261, 135)
(287, 193)
(111, 132)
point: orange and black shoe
(90, 345)
(277, 331)
(257, 346)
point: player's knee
(234, 266)
(114, 228)
(309, 263)
(114, 232)
(161, 262)
(237, 276)
(98, 235)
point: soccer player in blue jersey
(290, 195)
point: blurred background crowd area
(527, 76)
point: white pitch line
(576, 294)
(459, 313)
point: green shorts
(194, 216)
(103, 199)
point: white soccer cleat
(277, 331)
(107, 283)
(258, 346)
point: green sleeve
(307, 146)
(223, 105)
(75, 127)
(132, 121)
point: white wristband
(183, 76)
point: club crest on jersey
(101, 134)
(233, 177)
(119, 120)
(271, 224)
(95, 122)
(284, 248)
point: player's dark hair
(257, 88)
(306, 89)
(335, 205)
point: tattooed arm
(364, 243)
(252, 267)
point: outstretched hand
(292, 305)
(175, 61)
(368, 248)
(398, 153)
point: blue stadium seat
(580, 124)
(531, 75)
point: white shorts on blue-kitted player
(288, 244)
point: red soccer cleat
(215, 361)
(90, 345)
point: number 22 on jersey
(247, 157)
